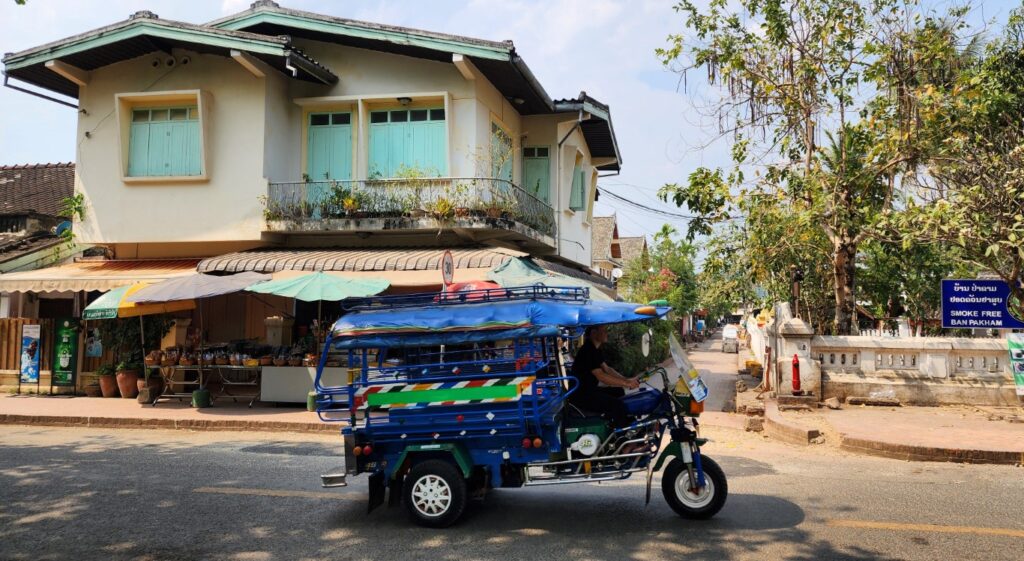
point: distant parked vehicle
(730, 339)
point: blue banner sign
(977, 304)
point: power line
(644, 207)
(652, 210)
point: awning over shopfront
(402, 267)
(96, 275)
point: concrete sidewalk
(945, 434)
(127, 413)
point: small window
(542, 152)
(399, 116)
(529, 152)
(378, 116)
(164, 141)
(418, 115)
(319, 119)
(437, 114)
(341, 119)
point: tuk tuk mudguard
(457, 452)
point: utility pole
(796, 275)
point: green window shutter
(329, 147)
(576, 195)
(398, 145)
(159, 138)
(437, 146)
(537, 173)
(138, 150)
(379, 150)
(164, 142)
(341, 152)
(397, 141)
(501, 153)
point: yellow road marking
(281, 493)
(872, 525)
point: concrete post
(796, 337)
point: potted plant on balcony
(459, 194)
(108, 383)
(441, 209)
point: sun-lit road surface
(80, 494)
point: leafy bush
(623, 351)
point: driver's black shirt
(588, 359)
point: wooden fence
(10, 342)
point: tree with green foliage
(818, 97)
(664, 272)
(972, 191)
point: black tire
(690, 506)
(440, 491)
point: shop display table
(238, 376)
(180, 381)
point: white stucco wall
(224, 207)
(255, 133)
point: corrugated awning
(96, 275)
(399, 266)
(354, 260)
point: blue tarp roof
(385, 323)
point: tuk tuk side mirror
(645, 344)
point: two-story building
(279, 141)
(276, 139)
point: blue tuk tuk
(451, 395)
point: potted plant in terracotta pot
(108, 383)
(128, 379)
(124, 336)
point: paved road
(718, 370)
(81, 494)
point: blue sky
(605, 47)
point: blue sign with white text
(977, 304)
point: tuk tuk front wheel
(435, 493)
(696, 505)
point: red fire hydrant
(796, 375)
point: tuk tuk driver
(589, 368)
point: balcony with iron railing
(401, 210)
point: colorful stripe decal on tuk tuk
(492, 390)
(380, 330)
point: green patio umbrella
(321, 286)
(524, 272)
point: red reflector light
(357, 451)
(527, 443)
(537, 443)
(459, 418)
(367, 450)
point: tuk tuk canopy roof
(444, 324)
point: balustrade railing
(446, 199)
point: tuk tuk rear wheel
(700, 505)
(434, 493)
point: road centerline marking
(255, 492)
(936, 528)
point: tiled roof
(602, 234)
(38, 188)
(632, 248)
